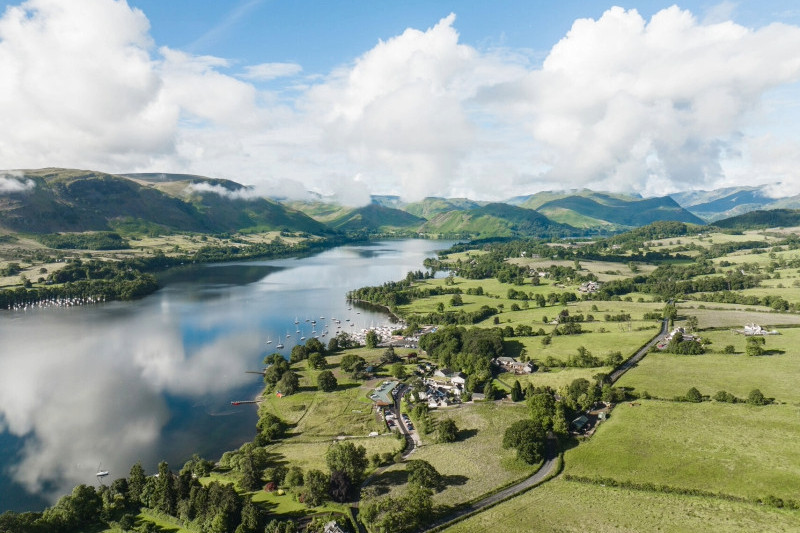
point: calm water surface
(117, 383)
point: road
(551, 459)
(627, 365)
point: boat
(269, 341)
(296, 321)
(279, 346)
(302, 338)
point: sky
(486, 100)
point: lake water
(112, 384)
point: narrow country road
(627, 365)
(551, 459)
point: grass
(667, 375)
(718, 315)
(555, 378)
(565, 506)
(476, 463)
(740, 450)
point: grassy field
(667, 375)
(717, 315)
(476, 463)
(566, 506)
(555, 378)
(739, 449)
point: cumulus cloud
(270, 71)
(626, 104)
(620, 103)
(11, 182)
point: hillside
(79, 200)
(375, 217)
(614, 210)
(496, 220)
(432, 206)
(723, 203)
(762, 219)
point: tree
(447, 431)
(326, 381)
(516, 392)
(489, 391)
(456, 300)
(317, 361)
(423, 474)
(315, 488)
(164, 496)
(294, 477)
(251, 476)
(371, 339)
(691, 322)
(270, 427)
(757, 398)
(136, 481)
(299, 353)
(398, 370)
(389, 356)
(348, 458)
(315, 345)
(288, 384)
(527, 437)
(693, 395)
(353, 363)
(755, 346)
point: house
(518, 367)
(505, 362)
(589, 287)
(332, 527)
(443, 373)
(751, 330)
(458, 379)
(580, 423)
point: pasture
(566, 506)
(733, 449)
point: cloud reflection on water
(82, 393)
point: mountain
(375, 217)
(592, 209)
(82, 200)
(759, 219)
(496, 220)
(432, 206)
(723, 203)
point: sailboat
(269, 341)
(279, 346)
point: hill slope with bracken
(496, 220)
(68, 200)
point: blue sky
(348, 98)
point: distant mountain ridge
(496, 220)
(80, 200)
(761, 219)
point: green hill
(772, 218)
(432, 206)
(375, 217)
(496, 220)
(67, 200)
(616, 210)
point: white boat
(279, 346)
(269, 341)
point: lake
(107, 385)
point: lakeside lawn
(667, 375)
(565, 506)
(734, 449)
(473, 465)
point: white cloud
(620, 103)
(14, 182)
(270, 71)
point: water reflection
(153, 379)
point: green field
(555, 378)
(476, 463)
(667, 375)
(718, 315)
(565, 506)
(739, 450)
